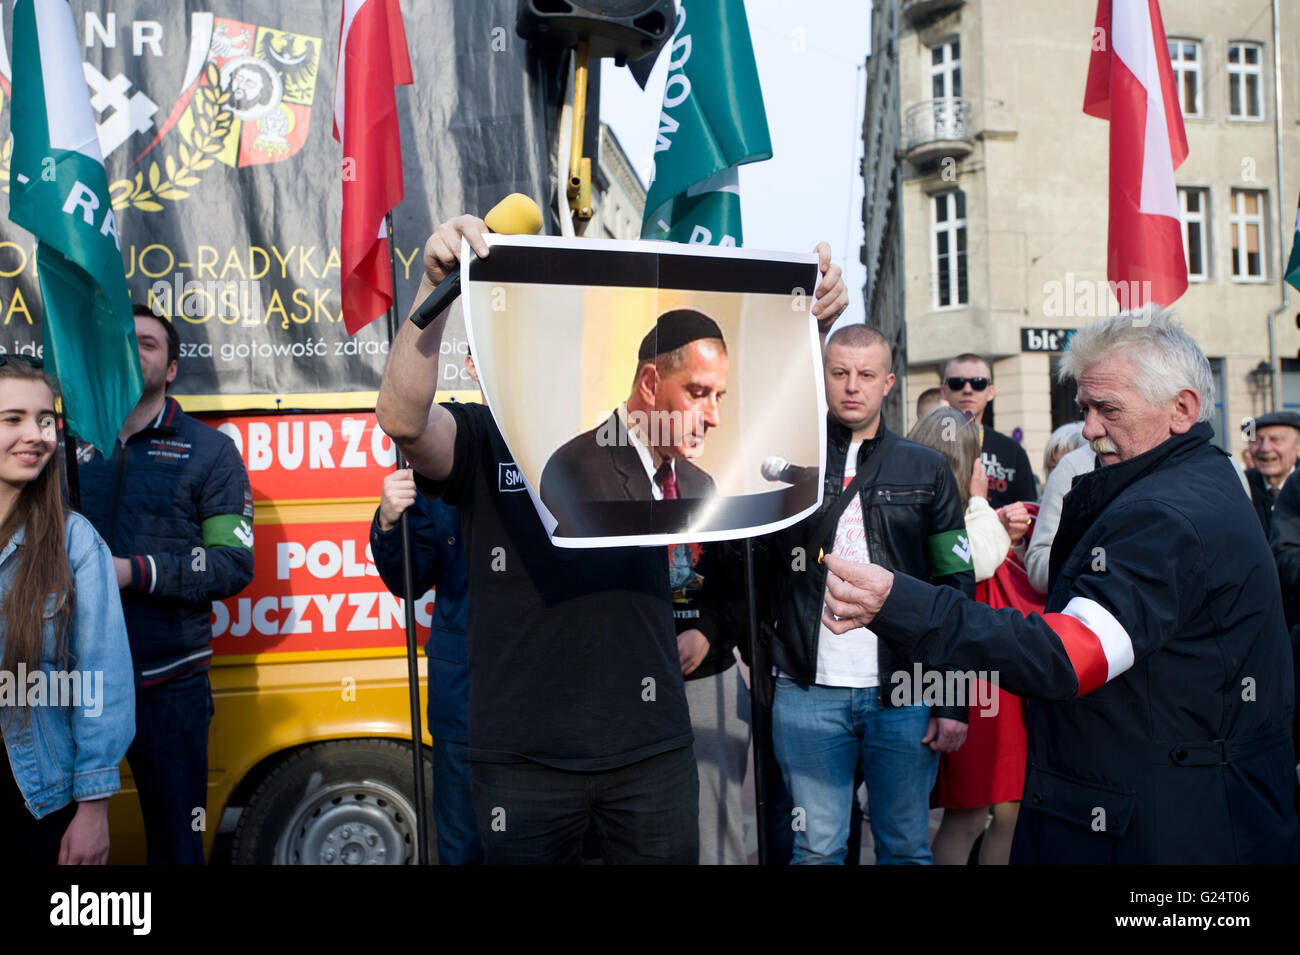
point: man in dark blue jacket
(1159, 683)
(438, 560)
(172, 501)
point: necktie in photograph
(666, 478)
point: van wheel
(348, 802)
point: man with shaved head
(834, 708)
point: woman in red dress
(988, 772)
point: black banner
(228, 206)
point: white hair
(1165, 358)
(1064, 439)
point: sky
(810, 57)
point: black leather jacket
(913, 518)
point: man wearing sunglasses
(968, 386)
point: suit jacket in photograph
(586, 469)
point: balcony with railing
(935, 128)
(915, 10)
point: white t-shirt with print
(849, 659)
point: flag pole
(758, 732)
(70, 473)
(408, 587)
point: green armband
(949, 553)
(228, 530)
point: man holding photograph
(577, 712)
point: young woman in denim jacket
(67, 695)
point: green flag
(1293, 263)
(712, 121)
(59, 192)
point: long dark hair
(43, 570)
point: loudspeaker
(624, 29)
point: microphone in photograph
(779, 469)
(516, 214)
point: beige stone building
(1001, 193)
(618, 197)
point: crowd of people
(942, 566)
(1100, 672)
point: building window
(945, 70)
(1290, 386)
(1245, 81)
(1185, 57)
(1246, 222)
(1219, 416)
(948, 248)
(1194, 204)
(1062, 395)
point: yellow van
(309, 753)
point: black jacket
(913, 519)
(1284, 540)
(1259, 496)
(1158, 683)
(438, 560)
(176, 501)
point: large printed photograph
(651, 392)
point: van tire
(346, 802)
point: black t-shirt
(572, 652)
(1011, 478)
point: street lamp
(1261, 379)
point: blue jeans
(453, 805)
(821, 734)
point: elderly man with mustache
(1160, 680)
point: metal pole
(408, 587)
(758, 732)
(70, 462)
(1273, 358)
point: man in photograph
(644, 450)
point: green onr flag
(58, 191)
(1293, 263)
(712, 121)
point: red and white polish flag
(1131, 83)
(372, 60)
